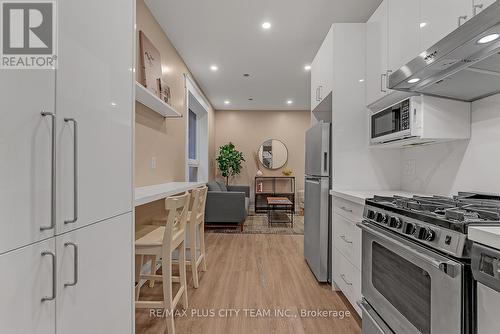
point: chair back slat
(198, 201)
(177, 208)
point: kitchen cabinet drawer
(348, 209)
(348, 279)
(347, 239)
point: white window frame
(200, 107)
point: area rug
(257, 224)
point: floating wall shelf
(145, 97)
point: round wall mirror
(273, 154)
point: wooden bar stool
(161, 243)
(196, 230)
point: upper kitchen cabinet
(322, 71)
(376, 54)
(403, 32)
(479, 5)
(439, 18)
(94, 102)
(27, 152)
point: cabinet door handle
(345, 239)
(54, 274)
(382, 76)
(346, 209)
(460, 18)
(476, 7)
(75, 170)
(53, 173)
(75, 263)
(344, 279)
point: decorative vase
(259, 173)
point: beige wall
(157, 137)
(247, 129)
(164, 139)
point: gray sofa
(226, 205)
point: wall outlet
(410, 167)
(153, 163)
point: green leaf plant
(229, 161)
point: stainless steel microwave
(393, 123)
(420, 120)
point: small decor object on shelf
(150, 60)
(229, 161)
(257, 163)
(165, 92)
(287, 172)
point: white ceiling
(228, 33)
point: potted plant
(229, 161)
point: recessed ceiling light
(227, 101)
(307, 67)
(266, 25)
(414, 80)
(214, 68)
(423, 24)
(113, 104)
(488, 38)
(361, 80)
(289, 101)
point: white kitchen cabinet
(25, 156)
(479, 5)
(322, 71)
(439, 18)
(346, 242)
(376, 54)
(100, 301)
(95, 87)
(27, 277)
(403, 32)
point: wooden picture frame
(150, 58)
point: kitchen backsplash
(456, 166)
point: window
(197, 167)
(192, 147)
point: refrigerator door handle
(325, 162)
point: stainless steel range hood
(458, 66)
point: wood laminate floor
(250, 278)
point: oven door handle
(449, 267)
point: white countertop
(486, 235)
(359, 196)
(155, 192)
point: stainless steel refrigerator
(317, 217)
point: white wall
(472, 165)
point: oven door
(413, 289)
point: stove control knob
(370, 214)
(430, 235)
(395, 222)
(381, 217)
(409, 228)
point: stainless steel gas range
(416, 273)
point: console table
(273, 186)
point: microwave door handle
(448, 267)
